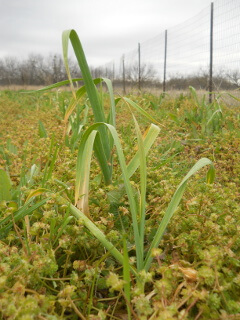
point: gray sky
(107, 28)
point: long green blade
(75, 100)
(83, 172)
(112, 114)
(143, 184)
(126, 275)
(92, 95)
(96, 232)
(140, 110)
(172, 208)
(128, 187)
(54, 86)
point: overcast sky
(107, 28)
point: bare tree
(39, 70)
(234, 77)
(10, 70)
(147, 73)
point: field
(52, 267)
(118, 207)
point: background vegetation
(53, 268)
(37, 70)
(96, 218)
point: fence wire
(188, 54)
(227, 36)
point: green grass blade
(112, 113)
(232, 96)
(42, 130)
(5, 186)
(45, 172)
(62, 227)
(19, 215)
(96, 232)
(93, 96)
(48, 170)
(172, 208)
(33, 172)
(65, 41)
(128, 187)
(75, 100)
(53, 86)
(140, 110)
(149, 138)
(143, 185)
(194, 95)
(126, 275)
(213, 115)
(87, 78)
(83, 171)
(211, 175)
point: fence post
(211, 55)
(165, 63)
(123, 75)
(139, 67)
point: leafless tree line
(222, 80)
(40, 70)
(148, 77)
(35, 70)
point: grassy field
(53, 266)
(118, 207)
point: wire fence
(204, 52)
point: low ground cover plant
(73, 245)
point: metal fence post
(165, 63)
(211, 55)
(139, 67)
(123, 75)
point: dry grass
(224, 95)
(15, 87)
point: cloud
(107, 28)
